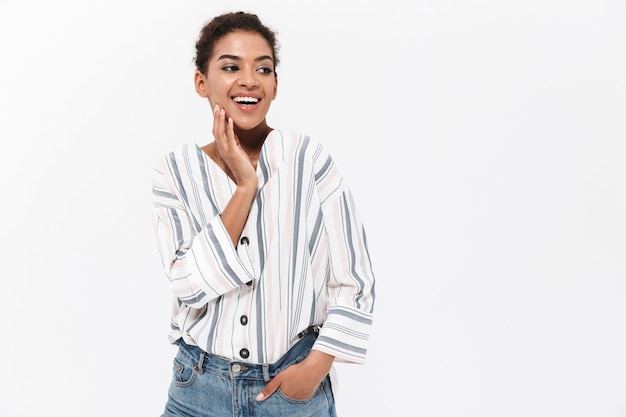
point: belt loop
(266, 372)
(200, 363)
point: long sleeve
(346, 331)
(196, 252)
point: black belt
(310, 329)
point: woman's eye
(230, 68)
(265, 70)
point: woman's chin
(249, 124)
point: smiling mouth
(246, 101)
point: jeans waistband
(238, 369)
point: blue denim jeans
(205, 385)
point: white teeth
(246, 100)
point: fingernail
(260, 396)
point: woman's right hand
(229, 149)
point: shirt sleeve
(200, 260)
(346, 331)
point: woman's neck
(252, 140)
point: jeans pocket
(184, 373)
(298, 400)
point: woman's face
(240, 78)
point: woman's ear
(201, 84)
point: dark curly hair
(224, 24)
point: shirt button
(244, 353)
(244, 240)
(249, 283)
(243, 320)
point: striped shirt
(302, 258)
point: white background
(484, 140)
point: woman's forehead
(242, 44)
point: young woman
(262, 244)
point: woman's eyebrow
(237, 58)
(232, 57)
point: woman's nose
(247, 78)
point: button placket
(245, 305)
